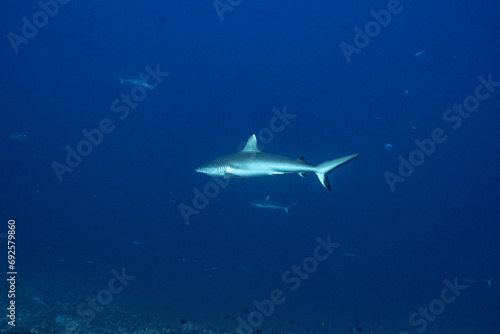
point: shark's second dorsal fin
(251, 145)
(267, 199)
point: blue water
(224, 76)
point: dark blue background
(225, 79)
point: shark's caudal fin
(322, 170)
(489, 280)
(288, 207)
(121, 80)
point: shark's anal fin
(302, 159)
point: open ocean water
(107, 108)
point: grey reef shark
(267, 204)
(138, 82)
(251, 162)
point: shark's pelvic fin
(251, 145)
(323, 169)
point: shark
(485, 280)
(251, 162)
(267, 204)
(138, 82)
(16, 135)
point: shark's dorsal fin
(251, 145)
(303, 159)
(141, 77)
(267, 199)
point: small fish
(137, 243)
(418, 53)
(388, 147)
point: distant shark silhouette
(138, 82)
(267, 204)
(251, 162)
(16, 135)
(485, 280)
